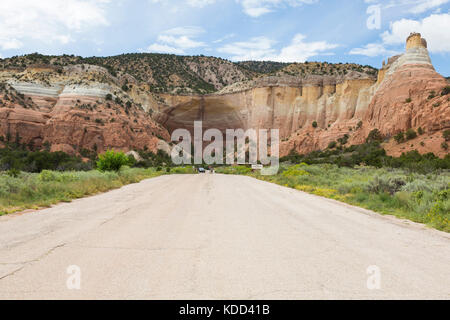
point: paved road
(217, 237)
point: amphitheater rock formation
(78, 107)
(310, 113)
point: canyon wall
(69, 111)
(78, 107)
(310, 113)
(283, 107)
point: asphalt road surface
(218, 237)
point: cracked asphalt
(218, 237)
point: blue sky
(361, 31)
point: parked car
(201, 170)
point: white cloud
(255, 49)
(192, 3)
(177, 40)
(433, 28)
(373, 50)
(47, 20)
(200, 3)
(226, 37)
(256, 8)
(410, 6)
(425, 5)
(190, 31)
(162, 48)
(299, 50)
(261, 48)
(10, 43)
(182, 42)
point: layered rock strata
(71, 115)
(84, 107)
(312, 112)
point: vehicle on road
(201, 170)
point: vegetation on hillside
(263, 67)
(162, 72)
(165, 73)
(9, 97)
(20, 159)
(16, 158)
(326, 69)
(372, 154)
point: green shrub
(13, 172)
(240, 170)
(183, 170)
(420, 131)
(332, 145)
(36, 161)
(344, 139)
(439, 216)
(297, 170)
(386, 184)
(47, 175)
(374, 136)
(446, 91)
(399, 137)
(112, 161)
(131, 161)
(443, 195)
(446, 135)
(352, 186)
(410, 134)
(314, 124)
(371, 154)
(424, 184)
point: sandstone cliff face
(67, 107)
(409, 96)
(401, 98)
(335, 107)
(70, 114)
(283, 107)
